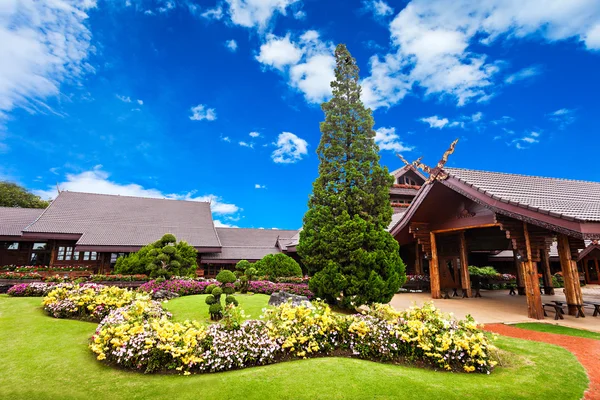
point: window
(76, 256)
(40, 246)
(86, 256)
(61, 254)
(12, 246)
(115, 256)
(407, 181)
(93, 256)
(68, 253)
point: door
(591, 270)
(450, 272)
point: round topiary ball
(168, 238)
(226, 276)
(229, 289)
(217, 291)
(169, 250)
(175, 264)
(210, 300)
(162, 258)
(231, 300)
(210, 288)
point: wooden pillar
(570, 274)
(546, 273)
(532, 282)
(418, 260)
(465, 278)
(519, 274)
(434, 270)
(53, 253)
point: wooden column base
(548, 290)
(521, 290)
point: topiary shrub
(226, 276)
(216, 311)
(210, 300)
(244, 281)
(243, 265)
(210, 288)
(277, 266)
(217, 292)
(231, 300)
(163, 258)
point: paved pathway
(586, 350)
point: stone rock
(278, 298)
(363, 309)
(162, 295)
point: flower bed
(34, 289)
(88, 301)
(293, 279)
(20, 276)
(140, 336)
(267, 287)
(183, 287)
(118, 278)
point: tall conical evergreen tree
(344, 243)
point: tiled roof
(13, 220)
(403, 191)
(108, 220)
(249, 244)
(395, 219)
(569, 199)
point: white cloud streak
(387, 139)
(201, 112)
(290, 149)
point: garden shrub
(183, 287)
(267, 287)
(163, 258)
(278, 265)
(34, 289)
(243, 265)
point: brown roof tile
(108, 220)
(13, 220)
(566, 198)
(249, 244)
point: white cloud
(201, 112)
(440, 45)
(166, 7)
(124, 99)
(477, 116)
(254, 134)
(279, 52)
(97, 180)
(140, 102)
(256, 13)
(226, 139)
(562, 117)
(246, 144)
(220, 224)
(387, 139)
(435, 121)
(379, 8)
(307, 63)
(523, 74)
(523, 142)
(231, 45)
(505, 119)
(213, 13)
(299, 14)
(290, 148)
(259, 186)
(42, 45)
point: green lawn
(47, 358)
(194, 307)
(561, 330)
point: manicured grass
(194, 307)
(47, 358)
(560, 330)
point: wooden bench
(557, 309)
(595, 305)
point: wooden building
(460, 217)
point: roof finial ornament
(57, 188)
(436, 173)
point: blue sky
(220, 100)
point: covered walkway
(497, 306)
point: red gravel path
(586, 350)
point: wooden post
(546, 273)
(532, 282)
(418, 260)
(53, 253)
(434, 270)
(519, 274)
(465, 278)
(570, 274)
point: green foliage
(251, 273)
(210, 300)
(226, 276)
(13, 195)
(163, 258)
(210, 288)
(243, 265)
(278, 265)
(217, 292)
(231, 300)
(345, 244)
(244, 282)
(484, 272)
(233, 316)
(215, 311)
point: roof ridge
(256, 229)
(133, 197)
(522, 175)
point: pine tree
(344, 243)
